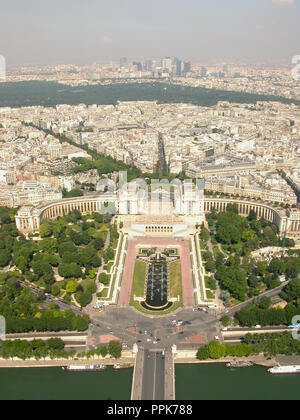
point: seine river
(209, 382)
(58, 384)
(193, 382)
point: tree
(83, 299)
(55, 289)
(68, 270)
(115, 349)
(276, 266)
(216, 350)
(46, 229)
(21, 263)
(73, 193)
(89, 286)
(204, 235)
(40, 268)
(252, 216)
(202, 353)
(55, 344)
(226, 320)
(291, 291)
(4, 257)
(210, 266)
(102, 351)
(108, 255)
(66, 247)
(98, 243)
(48, 244)
(104, 278)
(261, 268)
(71, 286)
(265, 303)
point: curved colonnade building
(157, 218)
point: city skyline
(51, 33)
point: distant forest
(50, 94)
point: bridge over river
(153, 377)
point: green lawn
(139, 278)
(175, 279)
(139, 307)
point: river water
(58, 384)
(193, 382)
(216, 382)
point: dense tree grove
(38, 349)
(255, 315)
(23, 310)
(268, 344)
(75, 242)
(238, 273)
(55, 349)
(70, 247)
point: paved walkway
(169, 376)
(58, 363)
(137, 380)
(124, 299)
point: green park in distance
(50, 94)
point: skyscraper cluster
(163, 67)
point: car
(154, 342)
(149, 339)
(258, 327)
(139, 341)
(225, 329)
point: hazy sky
(73, 31)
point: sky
(83, 32)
